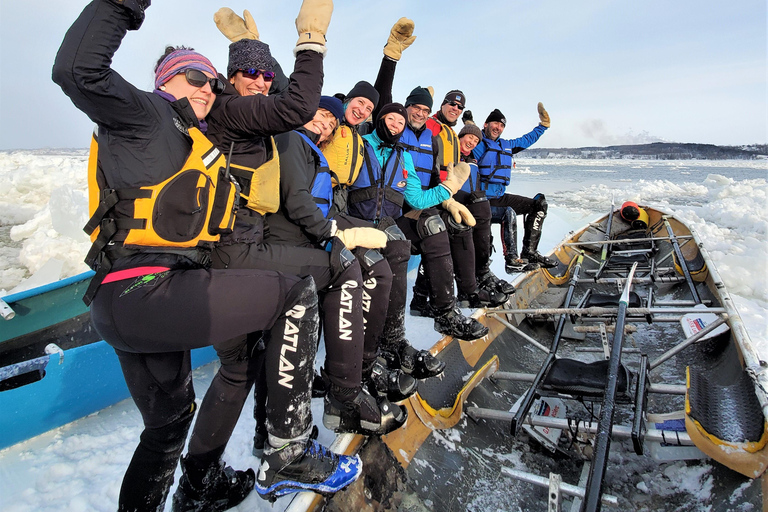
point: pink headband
(180, 61)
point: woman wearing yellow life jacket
(164, 197)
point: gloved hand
(234, 27)
(431, 91)
(543, 116)
(370, 238)
(400, 37)
(467, 117)
(459, 211)
(457, 175)
(312, 24)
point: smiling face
(417, 115)
(467, 143)
(493, 129)
(250, 86)
(358, 110)
(322, 124)
(201, 98)
(395, 123)
(451, 113)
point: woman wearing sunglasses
(160, 198)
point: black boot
(259, 440)
(305, 465)
(539, 259)
(481, 298)
(490, 282)
(210, 487)
(454, 323)
(357, 412)
(420, 305)
(396, 385)
(513, 264)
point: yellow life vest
(191, 208)
(260, 188)
(344, 154)
(448, 149)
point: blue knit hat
(332, 105)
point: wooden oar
(605, 426)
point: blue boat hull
(54, 369)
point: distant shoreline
(654, 151)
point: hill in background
(655, 151)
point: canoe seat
(577, 378)
(611, 299)
(626, 260)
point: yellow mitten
(371, 238)
(235, 27)
(543, 116)
(431, 90)
(457, 175)
(400, 37)
(459, 211)
(312, 24)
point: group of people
(249, 212)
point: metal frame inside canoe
(54, 367)
(471, 356)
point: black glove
(467, 117)
(135, 9)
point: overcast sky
(608, 71)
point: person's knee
(540, 203)
(430, 225)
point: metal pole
(570, 490)
(681, 259)
(605, 426)
(693, 339)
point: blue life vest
(494, 167)
(322, 188)
(420, 149)
(471, 185)
(376, 194)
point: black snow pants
(153, 321)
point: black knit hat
(471, 129)
(457, 96)
(419, 96)
(389, 108)
(381, 127)
(365, 90)
(249, 54)
(496, 115)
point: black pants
(471, 248)
(153, 323)
(354, 299)
(435, 253)
(533, 210)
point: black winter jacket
(248, 121)
(142, 136)
(299, 220)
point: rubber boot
(354, 410)
(419, 364)
(396, 385)
(453, 323)
(210, 486)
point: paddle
(604, 255)
(605, 426)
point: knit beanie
(249, 54)
(381, 128)
(365, 90)
(419, 96)
(180, 61)
(497, 116)
(457, 96)
(471, 129)
(332, 105)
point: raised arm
(83, 66)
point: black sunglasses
(253, 74)
(457, 105)
(197, 78)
